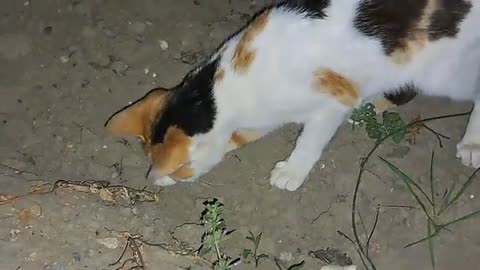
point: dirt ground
(66, 66)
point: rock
(163, 45)
(137, 27)
(109, 242)
(286, 256)
(64, 59)
(13, 46)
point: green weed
(247, 253)
(393, 126)
(215, 234)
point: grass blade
(462, 190)
(434, 234)
(362, 223)
(431, 244)
(447, 197)
(471, 215)
(408, 181)
(406, 178)
(432, 189)
(373, 230)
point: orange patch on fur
(242, 137)
(343, 89)
(418, 38)
(169, 156)
(244, 54)
(382, 104)
(237, 139)
(183, 172)
(137, 119)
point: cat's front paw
(286, 176)
(469, 153)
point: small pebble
(146, 71)
(163, 45)
(472, 196)
(26, 3)
(109, 242)
(64, 59)
(154, 75)
(286, 256)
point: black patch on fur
(389, 21)
(445, 21)
(402, 95)
(313, 8)
(190, 105)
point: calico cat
(309, 62)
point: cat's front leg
(468, 150)
(316, 134)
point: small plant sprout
(376, 130)
(247, 253)
(215, 233)
(281, 266)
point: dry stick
(360, 173)
(439, 136)
(121, 256)
(17, 170)
(398, 206)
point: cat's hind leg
(468, 150)
(317, 132)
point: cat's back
(375, 43)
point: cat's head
(166, 144)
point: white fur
(277, 87)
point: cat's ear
(137, 118)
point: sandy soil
(67, 65)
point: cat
(309, 62)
